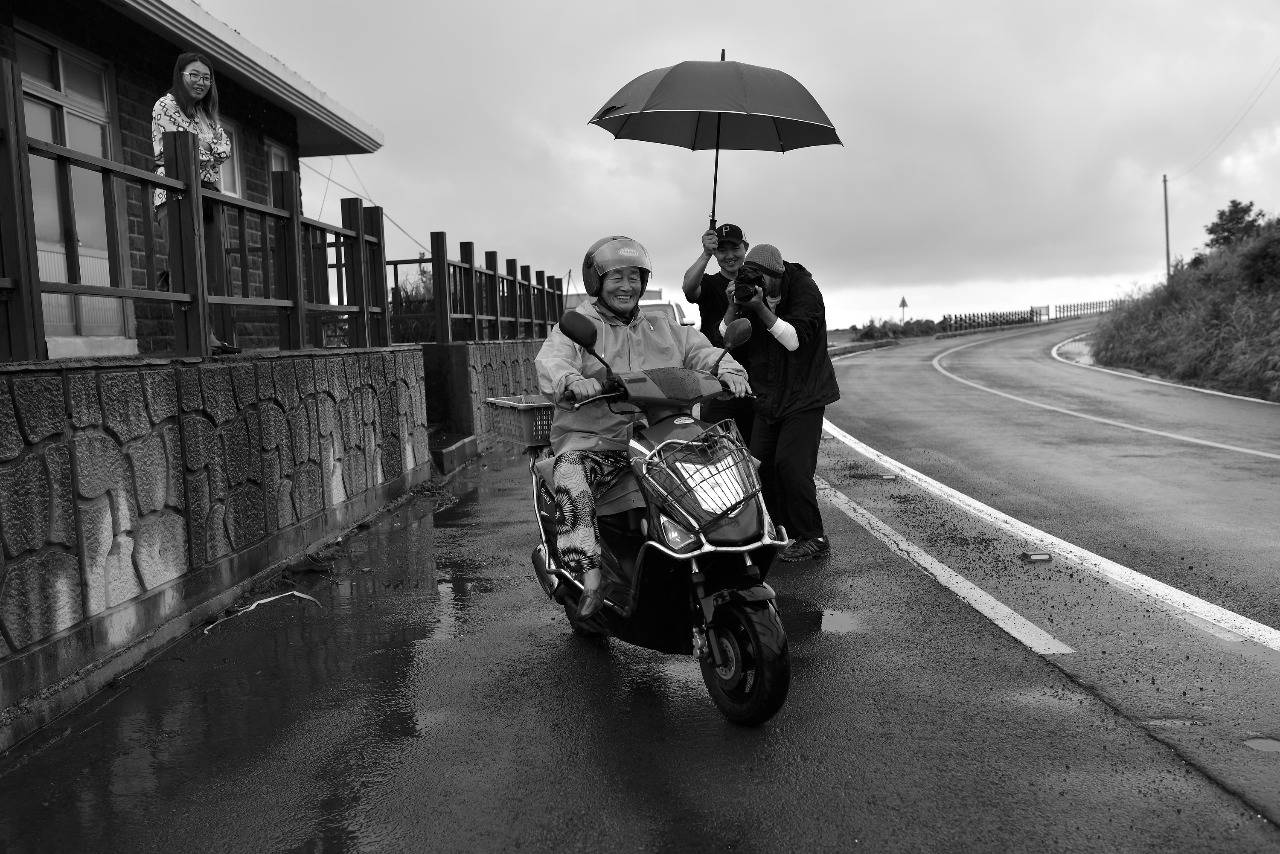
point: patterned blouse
(214, 144)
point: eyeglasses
(198, 78)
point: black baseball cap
(729, 233)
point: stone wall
(461, 376)
(136, 496)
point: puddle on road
(844, 623)
(1266, 745)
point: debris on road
(248, 608)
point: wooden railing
(475, 302)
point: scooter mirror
(579, 329)
(736, 333)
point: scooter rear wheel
(752, 682)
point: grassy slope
(1216, 324)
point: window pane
(82, 81)
(85, 135)
(37, 62)
(39, 120)
(230, 178)
(91, 226)
(44, 195)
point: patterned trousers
(580, 478)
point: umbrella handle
(715, 178)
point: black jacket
(789, 381)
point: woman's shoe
(592, 599)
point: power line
(365, 196)
(1269, 76)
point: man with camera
(708, 291)
(789, 370)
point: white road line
(1175, 436)
(1020, 628)
(1065, 361)
(1221, 622)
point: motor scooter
(686, 539)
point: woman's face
(197, 78)
(621, 289)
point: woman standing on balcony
(191, 105)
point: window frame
(107, 115)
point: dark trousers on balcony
(221, 325)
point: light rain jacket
(648, 341)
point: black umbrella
(701, 105)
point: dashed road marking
(1204, 615)
(1111, 422)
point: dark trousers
(741, 410)
(787, 448)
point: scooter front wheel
(751, 682)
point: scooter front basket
(705, 478)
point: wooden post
(187, 246)
(467, 254)
(495, 290)
(23, 330)
(440, 287)
(357, 280)
(546, 305)
(293, 323)
(513, 275)
(379, 324)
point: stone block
(24, 505)
(150, 473)
(189, 390)
(245, 520)
(286, 514)
(305, 370)
(236, 450)
(199, 441)
(97, 531)
(217, 544)
(86, 408)
(219, 400)
(174, 493)
(99, 464)
(160, 553)
(273, 426)
(161, 388)
(269, 462)
(266, 380)
(313, 428)
(355, 470)
(62, 520)
(199, 507)
(40, 596)
(40, 407)
(308, 490)
(300, 431)
(326, 412)
(286, 384)
(124, 408)
(11, 443)
(245, 382)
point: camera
(746, 284)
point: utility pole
(1167, 266)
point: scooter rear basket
(706, 478)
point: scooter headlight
(674, 534)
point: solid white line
(1194, 610)
(1020, 628)
(1175, 436)
(1060, 344)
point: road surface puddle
(1266, 745)
(844, 623)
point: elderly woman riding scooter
(590, 442)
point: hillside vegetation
(1216, 323)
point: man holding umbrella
(710, 293)
(789, 369)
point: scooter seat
(622, 496)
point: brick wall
(135, 493)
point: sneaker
(805, 549)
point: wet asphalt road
(436, 701)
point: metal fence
(1034, 314)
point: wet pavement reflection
(255, 684)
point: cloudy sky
(997, 153)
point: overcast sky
(997, 153)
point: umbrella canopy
(715, 105)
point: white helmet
(613, 253)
